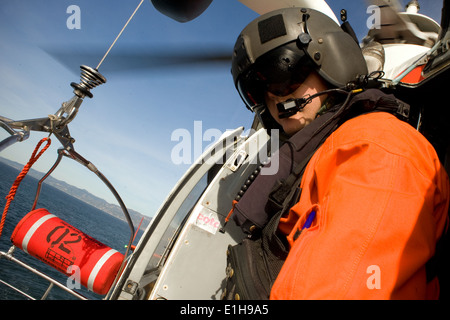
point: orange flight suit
(381, 199)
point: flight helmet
(281, 48)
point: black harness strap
(253, 264)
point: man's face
(313, 84)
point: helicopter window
(177, 224)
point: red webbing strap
(12, 192)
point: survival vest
(253, 264)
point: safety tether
(12, 192)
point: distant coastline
(84, 196)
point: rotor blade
(139, 59)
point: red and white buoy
(60, 245)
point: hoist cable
(120, 33)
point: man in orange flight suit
(374, 197)
(381, 205)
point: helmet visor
(280, 72)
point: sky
(132, 125)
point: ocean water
(105, 228)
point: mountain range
(85, 196)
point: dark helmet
(282, 47)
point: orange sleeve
(381, 198)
